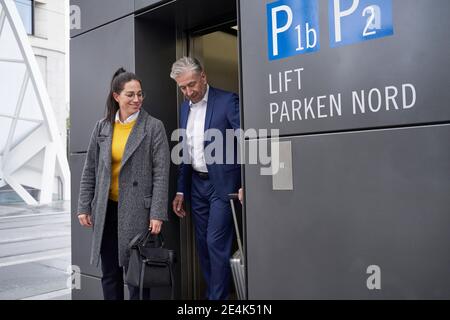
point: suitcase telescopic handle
(233, 197)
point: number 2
(370, 21)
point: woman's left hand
(155, 226)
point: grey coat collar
(137, 134)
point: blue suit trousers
(214, 236)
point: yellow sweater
(119, 140)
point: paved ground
(34, 251)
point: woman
(124, 185)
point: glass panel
(30, 106)
(5, 125)
(8, 44)
(11, 79)
(23, 129)
(25, 8)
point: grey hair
(185, 64)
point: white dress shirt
(127, 120)
(195, 132)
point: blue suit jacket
(222, 113)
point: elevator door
(217, 50)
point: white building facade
(48, 35)
(34, 66)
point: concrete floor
(35, 251)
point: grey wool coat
(143, 181)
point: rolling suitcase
(237, 260)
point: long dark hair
(119, 79)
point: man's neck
(203, 97)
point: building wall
(50, 46)
(359, 206)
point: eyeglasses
(131, 95)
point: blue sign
(292, 28)
(353, 21)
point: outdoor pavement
(35, 251)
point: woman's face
(131, 97)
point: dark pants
(112, 279)
(214, 236)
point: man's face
(193, 85)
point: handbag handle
(143, 238)
(134, 241)
(148, 235)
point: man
(207, 183)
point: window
(26, 11)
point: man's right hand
(178, 207)
(85, 220)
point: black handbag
(151, 265)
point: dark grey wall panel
(141, 4)
(81, 237)
(95, 56)
(413, 55)
(90, 289)
(364, 198)
(98, 12)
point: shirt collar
(204, 99)
(129, 119)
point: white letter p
(338, 14)
(275, 29)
